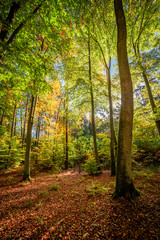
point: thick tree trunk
(25, 119)
(124, 181)
(92, 102)
(26, 175)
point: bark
(92, 102)
(124, 181)
(24, 124)
(26, 175)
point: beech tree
(124, 181)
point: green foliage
(92, 167)
(53, 187)
(80, 148)
(11, 153)
(103, 148)
(95, 189)
(46, 158)
(44, 193)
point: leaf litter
(76, 206)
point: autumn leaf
(62, 32)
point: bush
(92, 167)
(11, 153)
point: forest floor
(77, 206)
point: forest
(79, 119)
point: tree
(124, 181)
(26, 175)
(92, 100)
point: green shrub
(92, 167)
(11, 152)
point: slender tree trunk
(113, 143)
(21, 117)
(26, 175)
(153, 105)
(13, 125)
(92, 102)
(151, 100)
(25, 119)
(112, 133)
(124, 181)
(39, 128)
(1, 119)
(66, 129)
(66, 161)
(13, 121)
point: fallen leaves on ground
(76, 206)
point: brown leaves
(70, 214)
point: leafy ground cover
(77, 206)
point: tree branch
(16, 31)
(7, 23)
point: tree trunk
(92, 101)
(26, 175)
(153, 105)
(124, 181)
(13, 121)
(66, 129)
(151, 100)
(113, 143)
(112, 133)
(1, 118)
(39, 128)
(25, 119)
(21, 118)
(13, 124)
